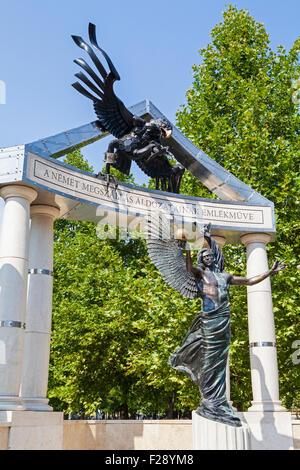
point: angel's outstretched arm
(217, 252)
(244, 281)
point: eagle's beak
(168, 133)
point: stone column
(39, 309)
(263, 354)
(14, 243)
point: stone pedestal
(269, 430)
(33, 430)
(211, 435)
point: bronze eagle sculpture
(135, 139)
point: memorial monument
(37, 189)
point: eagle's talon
(110, 178)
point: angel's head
(165, 127)
(206, 258)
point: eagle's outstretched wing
(166, 255)
(113, 115)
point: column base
(36, 404)
(11, 403)
(263, 406)
(269, 431)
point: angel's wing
(113, 115)
(167, 256)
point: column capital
(43, 209)
(255, 238)
(15, 190)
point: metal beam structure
(79, 194)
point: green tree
(240, 111)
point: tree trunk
(170, 414)
(124, 411)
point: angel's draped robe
(203, 356)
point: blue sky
(153, 45)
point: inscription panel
(72, 183)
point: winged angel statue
(136, 140)
(204, 351)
